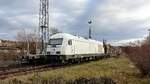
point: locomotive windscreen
(57, 41)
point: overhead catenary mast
(43, 25)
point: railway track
(11, 72)
(7, 72)
(23, 70)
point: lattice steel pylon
(43, 25)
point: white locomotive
(65, 47)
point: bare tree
(22, 41)
(26, 42)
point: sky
(114, 20)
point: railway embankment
(115, 70)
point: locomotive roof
(69, 36)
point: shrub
(37, 79)
(15, 81)
(101, 80)
(140, 56)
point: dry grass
(121, 70)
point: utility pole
(44, 25)
(90, 31)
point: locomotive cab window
(69, 42)
(57, 41)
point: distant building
(8, 49)
(7, 43)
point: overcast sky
(114, 20)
